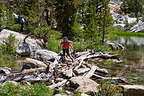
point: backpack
(20, 19)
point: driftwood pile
(77, 75)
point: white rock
(46, 55)
(138, 27)
(85, 84)
(30, 46)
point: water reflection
(133, 57)
(134, 54)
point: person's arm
(71, 46)
(59, 45)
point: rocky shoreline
(45, 65)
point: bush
(108, 89)
(37, 89)
(80, 46)
(83, 45)
(8, 46)
(53, 42)
(98, 46)
(7, 51)
(9, 89)
(5, 60)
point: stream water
(132, 67)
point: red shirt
(65, 45)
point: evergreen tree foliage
(133, 6)
(80, 18)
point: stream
(133, 59)
(132, 65)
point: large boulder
(86, 85)
(27, 48)
(133, 90)
(46, 55)
(23, 49)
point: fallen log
(57, 84)
(95, 55)
(36, 79)
(91, 72)
(27, 71)
(82, 70)
(113, 79)
(103, 71)
(5, 70)
(78, 54)
(2, 78)
(14, 77)
(79, 64)
(29, 63)
(102, 55)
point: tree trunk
(67, 16)
(104, 23)
(103, 34)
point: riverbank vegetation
(40, 89)
(119, 31)
(7, 51)
(37, 89)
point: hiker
(66, 44)
(20, 19)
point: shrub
(7, 50)
(99, 47)
(108, 89)
(80, 45)
(8, 45)
(5, 60)
(37, 89)
(52, 43)
(83, 45)
(9, 89)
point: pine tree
(81, 18)
(133, 6)
(106, 18)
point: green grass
(37, 89)
(138, 34)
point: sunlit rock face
(120, 19)
(138, 27)
(46, 55)
(23, 48)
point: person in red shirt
(66, 44)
